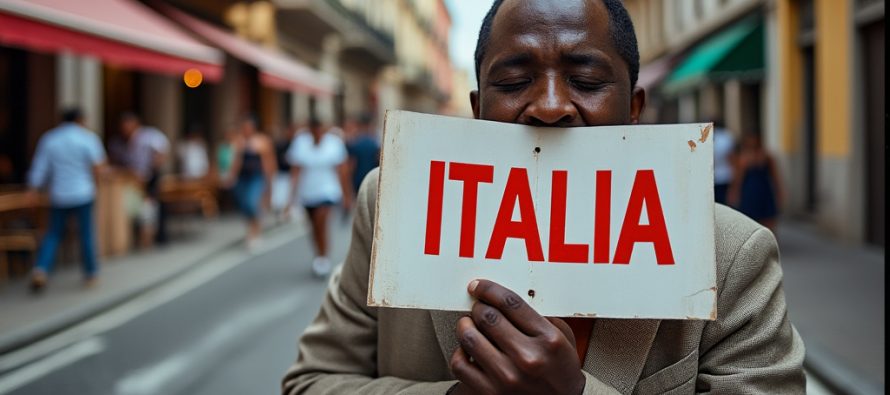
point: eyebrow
(517, 60)
(586, 59)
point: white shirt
(319, 181)
(64, 163)
(723, 145)
(193, 158)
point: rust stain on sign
(691, 145)
(704, 133)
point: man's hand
(506, 347)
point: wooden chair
(186, 194)
(21, 223)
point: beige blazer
(751, 348)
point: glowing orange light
(192, 78)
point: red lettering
(559, 251)
(516, 191)
(644, 191)
(471, 175)
(434, 208)
(602, 216)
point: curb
(57, 323)
(839, 378)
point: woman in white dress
(320, 180)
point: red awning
(277, 70)
(125, 33)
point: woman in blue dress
(250, 175)
(756, 189)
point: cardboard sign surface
(613, 221)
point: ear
(637, 103)
(474, 102)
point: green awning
(734, 53)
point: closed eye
(511, 84)
(587, 84)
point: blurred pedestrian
(225, 154)
(320, 181)
(252, 174)
(147, 149)
(756, 189)
(281, 191)
(192, 152)
(724, 144)
(66, 163)
(364, 150)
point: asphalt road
(228, 327)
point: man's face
(128, 127)
(553, 63)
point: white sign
(613, 221)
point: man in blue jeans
(66, 163)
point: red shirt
(581, 327)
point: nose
(552, 105)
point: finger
(499, 330)
(563, 327)
(494, 363)
(523, 316)
(468, 373)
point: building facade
(805, 74)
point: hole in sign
(537, 150)
(531, 293)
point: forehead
(526, 25)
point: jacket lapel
(618, 350)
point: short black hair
(129, 116)
(72, 114)
(621, 29)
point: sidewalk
(835, 296)
(27, 317)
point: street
(229, 326)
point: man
(554, 63)
(146, 150)
(364, 150)
(66, 163)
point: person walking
(320, 181)
(364, 151)
(66, 163)
(723, 147)
(252, 173)
(756, 190)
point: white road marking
(58, 360)
(165, 376)
(126, 312)
(816, 387)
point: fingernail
(472, 286)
